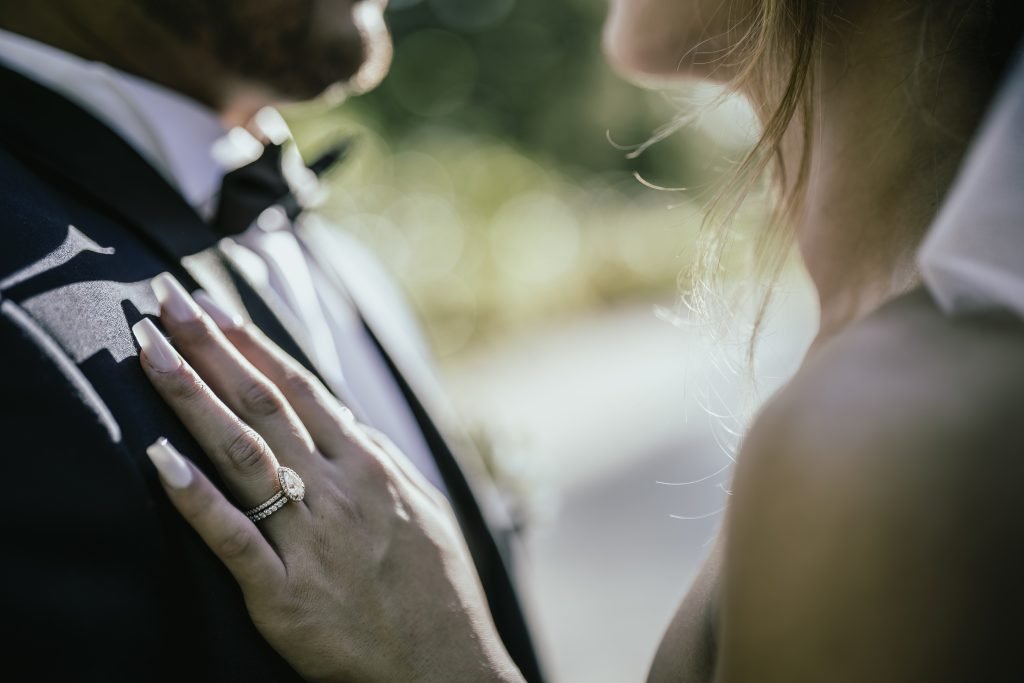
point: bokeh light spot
(433, 73)
(535, 237)
(471, 15)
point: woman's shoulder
(911, 373)
(905, 387)
(875, 502)
(908, 411)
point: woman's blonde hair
(774, 54)
(775, 51)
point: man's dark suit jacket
(101, 578)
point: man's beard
(279, 45)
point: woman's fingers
(241, 455)
(327, 420)
(227, 532)
(241, 386)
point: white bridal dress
(972, 259)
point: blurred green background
(486, 179)
(485, 175)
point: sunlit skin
(872, 532)
(881, 429)
(888, 208)
(658, 40)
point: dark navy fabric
(101, 580)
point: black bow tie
(250, 190)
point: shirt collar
(174, 133)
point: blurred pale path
(591, 413)
(492, 176)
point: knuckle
(244, 338)
(299, 384)
(379, 439)
(373, 468)
(354, 432)
(346, 416)
(193, 333)
(240, 337)
(246, 450)
(186, 387)
(234, 543)
(244, 334)
(260, 399)
(195, 503)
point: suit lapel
(71, 147)
(488, 555)
(82, 156)
(272, 312)
(405, 357)
(405, 364)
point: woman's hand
(367, 578)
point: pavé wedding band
(290, 487)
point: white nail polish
(170, 464)
(175, 301)
(159, 352)
(225, 319)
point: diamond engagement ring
(290, 487)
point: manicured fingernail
(175, 300)
(170, 464)
(159, 352)
(225, 319)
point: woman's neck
(892, 124)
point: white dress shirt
(187, 143)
